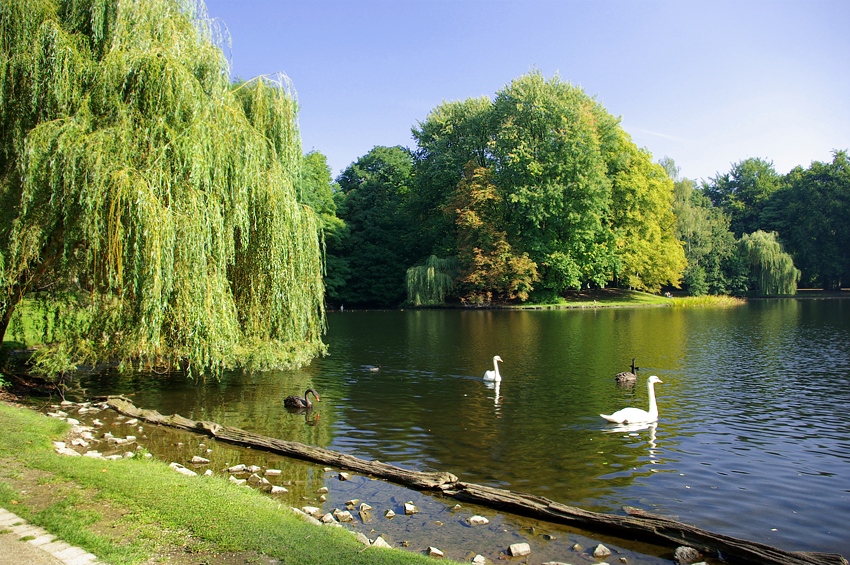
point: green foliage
(743, 192)
(572, 197)
(317, 189)
(489, 268)
(138, 179)
(812, 215)
(709, 245)
(551, 172)
(649, 251)
(772, 270)
(428, 284)
(375, 191)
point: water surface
(751, 441)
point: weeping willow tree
(428, 284)
(148, 194)
(771, 269)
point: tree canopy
(148, 192)
(568, 190)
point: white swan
(494, 374)
(636, 415)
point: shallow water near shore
(751, 439)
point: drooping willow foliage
(771, 269)
(137, 179)
(428, 284)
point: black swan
(627, 377)
(298, 402)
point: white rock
(258, 481)
(364, 507)
(208, 473)
(253, 469)
(236, 469)
(322, 490)
(601, 551)
(343, 515)
(93, 453)
(132, 422)
(79, 442)
(128, 455)
(272, 472)
(362, 538)
(183, 470)
(278, 490)
(66, 451)
(328, 518)
(409, 508)
(237, 482)
(479, 559)
(344, 476)
(312, 511)
(97, 423)
(381, 542)
(198, 460)
(685, 555)
(519, 549)
(477, 520)
(72, 421)
(113, 457)
(389, 513)
(434, 552)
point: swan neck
(496, 368)
(653, 406)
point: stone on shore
(601, 551)
(434, 552)
(477, 520)
(519, 549)
(381, 542)
(685, 555)
(343, 515)
(183, 470)
(410, 508)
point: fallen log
(417, 479)
(636, 524)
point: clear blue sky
(708, 83)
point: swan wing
(629, 416)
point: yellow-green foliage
(140, 179)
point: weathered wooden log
(636, 524)
(297, 450)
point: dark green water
(751, 441)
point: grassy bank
(139, 510)
(622, 298)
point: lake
(752, 438)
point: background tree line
(539, 191)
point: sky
(707, 83)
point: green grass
(599, 298)
(150, 508)
(707, 301)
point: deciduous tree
(137, 180)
